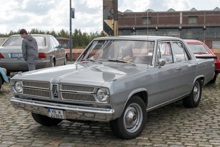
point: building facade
(193, 24)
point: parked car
(116, 80)
(3, 77)
(201, 50)
(11, 53)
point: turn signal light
(1, 56)
(41, 55)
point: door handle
(178, 68)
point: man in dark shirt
(29, 49)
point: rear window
(17, 41)
(198, 49)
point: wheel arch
(141, 92)
(201, 77)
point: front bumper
(73, 112)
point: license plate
(54, 113)
(16, 55)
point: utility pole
(70, 31)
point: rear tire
(44, 120)
(213, 80)
(54, 63)
(193, 99)
(132, 121)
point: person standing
(29, 49)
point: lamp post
(70, 31)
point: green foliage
(79, 39)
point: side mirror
(161, 62)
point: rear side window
(179, 52)
(17, 41)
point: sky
(54, 14)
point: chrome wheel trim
(133, 118)
(196, 91)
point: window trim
(185, 49)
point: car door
(187, 66)
(59, 52)
(168, 76)
(54, 50)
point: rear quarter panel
(206, 68)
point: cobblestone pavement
(172, 125)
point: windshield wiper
(122, 61)
(92, 60)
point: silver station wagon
(116, 80)
(11, 53)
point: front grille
(36, 84)
(36, 92)
(77, 88)
(78, 97)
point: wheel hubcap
(133, 117)
(196, 91)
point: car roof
(34, 35)
(192, 41)
(138, 38)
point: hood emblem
(55, 92)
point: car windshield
(198, 49)
(134, 52)
(17, 41)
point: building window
(192, 19)
(146, 20)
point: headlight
(102, 95)
(19, 86)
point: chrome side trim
(71, 111)
(168, 102)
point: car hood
(89, 73)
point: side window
(55, 41)
(179, 52)
(164, 52)
(52, 43)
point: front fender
(130, 95)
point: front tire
(193, 99)
(132, 121)
(65, 60)
(44, 120)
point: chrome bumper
(70, 111)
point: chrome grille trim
(34, 84)
(77, 97)
(36, 92)
(67, 87)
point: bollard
(51, 61)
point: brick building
(193, 24)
